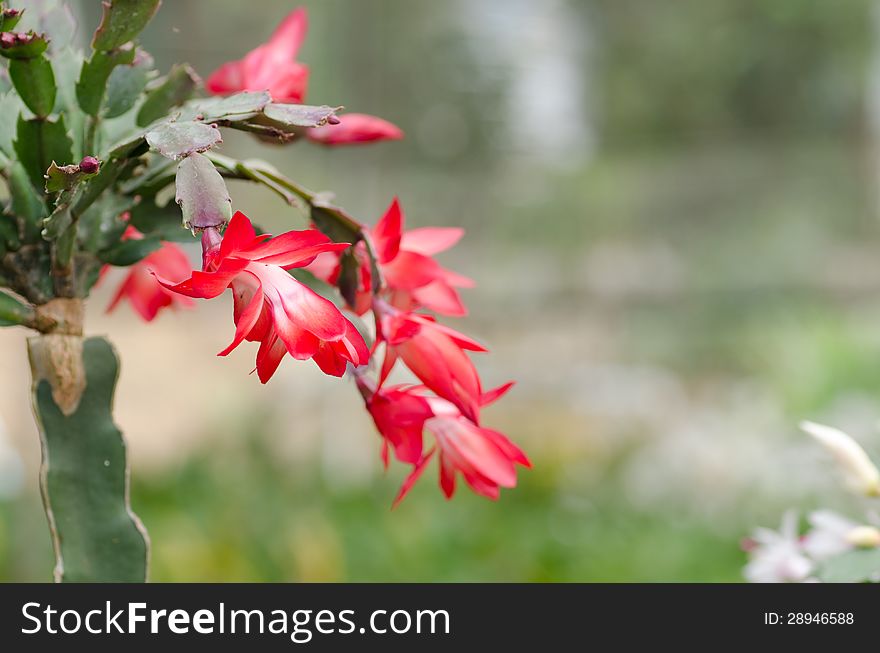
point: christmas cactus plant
(93, 146)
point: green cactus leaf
(161, 221)
(101, 226)
(10, 107)
(85, 472)
(9, 19)
(57, 224)
(176, 140)
(35, 83)
(38, 143)
(67, 64)
(9, 238)
(129, 252)
(202, 194)
(122, 21)
(299, 115)
(240, 106)
(60, 178)
(168, 92)
(13, 311)
(15, 45)
(27, 203)
(335, 223)
(126, 84)
(96, 71)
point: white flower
(860, 474)
(829, 535)
(777, 557)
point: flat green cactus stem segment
(96, 535)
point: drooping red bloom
(273, 67)
(413, 279)
(271, 307)
(435, 353)
(270, 67)
(485, 458)
(140, 287)
(355, 128)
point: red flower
(272, 307)
(414, 279)
(270, 67)
(146, 296)
(433, 352)
(486, 458)
(355, 128)
(273, 67)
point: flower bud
(865, 537)
(860, 474)
(89, 165)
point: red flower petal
(387, 232)
(410, 480)
(430, 240)
(228, 78)
(248, 318)
(355, 128)
(440, 298)
(239, 235)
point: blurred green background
(672, 216)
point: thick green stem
(84, 475)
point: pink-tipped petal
(431, 240)
(355, 128)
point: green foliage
(60, 178)
(96, 535)
(9, 19)
(201, 193)
(239, 106)
(40, 142)
(10, 107)
(27, 204)
(177, 140)
(126, 84)
(298, 115)
(163, 222)
(131, 251)
(90, 89)
(14, 311)
(35, 82)
(23, 46)
(123, 20)
(169, 92)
